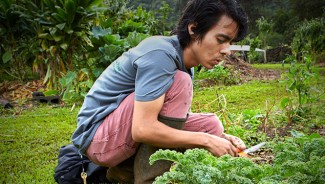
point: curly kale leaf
(315, 147)
(300, 178)
(299, 152)
(200, 166)
(297, 160)
(321, 175)
(286, 155)
(170, 155)
(271, 179)
(171, 177)
(305, 165)
(195, 164)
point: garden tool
(244, 153)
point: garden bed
(32, 129)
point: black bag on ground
(71, 164)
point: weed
(299, 83)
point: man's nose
(225, 50)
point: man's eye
(221, 41)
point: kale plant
(297, 160)
(200, 166)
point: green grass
(30, 141)
(272, 66)
(251, 95)
(284, 67)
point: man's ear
(191, 29)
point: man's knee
(178, 98)
(211, 124)
(182, 89)
(183, 82)
(204, 122)
(216, 125)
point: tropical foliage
(16, 41)
(70, 39)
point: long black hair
(207, 13)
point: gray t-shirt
(147, 69)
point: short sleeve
(155, 73)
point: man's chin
(208, 67)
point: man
(141, 102)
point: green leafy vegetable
(297, 160)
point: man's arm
(147, 129)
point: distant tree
(264, 30)
(16, 39)
(180, 5)
(306, 9)
(253, 10)
(309, 37)
(166, 11)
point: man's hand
(237, 142)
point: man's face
(214, 45)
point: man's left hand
(235, 141)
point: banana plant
(15, 36)
(64, 29)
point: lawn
(30, 138)
(30, 142)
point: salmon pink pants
(113, 143)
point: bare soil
(262, 156)
(247, 72)
(19, 94)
